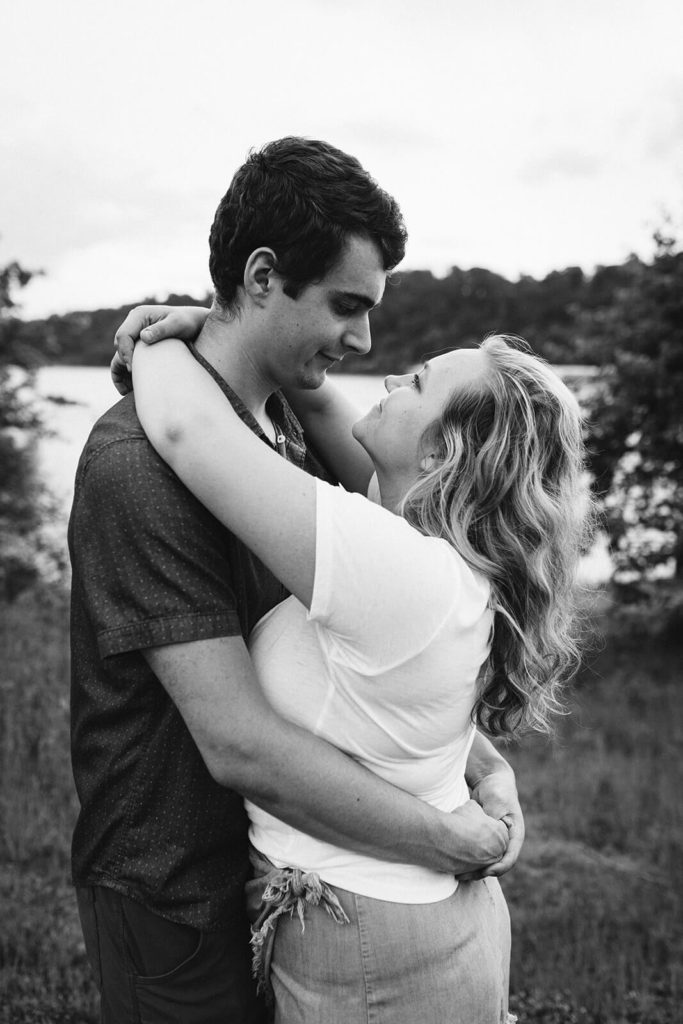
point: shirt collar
(277, 406)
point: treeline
(626, 319)
(420, 314)
(83, 338)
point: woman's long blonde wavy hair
(506, 488)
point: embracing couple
(294, 629)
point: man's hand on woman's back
(496, 795)
(480, 841)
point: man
(170, 728)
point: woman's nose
(396, 380)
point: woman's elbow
(172, 436)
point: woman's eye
(415, 382)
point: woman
(459, 576)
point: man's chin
(310, 380)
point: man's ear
(258, 274)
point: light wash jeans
(389, 963)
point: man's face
(309, 334)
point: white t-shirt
(384, 666)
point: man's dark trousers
(153, 971)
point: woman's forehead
(466, 364)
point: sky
(519, 135)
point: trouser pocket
(155, 971)
(157, 948)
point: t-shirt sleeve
(153, 563)
(382, 590)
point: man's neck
(224, 343)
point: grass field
(596, 900)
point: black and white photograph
(341, 512)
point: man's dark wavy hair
(302, 198)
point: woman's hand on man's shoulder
(151, 324)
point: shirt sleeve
(382, 590)
(153, 563)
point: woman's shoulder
(431, 561)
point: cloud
(562, 163)
(64, 200)
(664, 132)
(114, 272)
(390, 135)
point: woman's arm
(493, 785)
(325, 413)
(267, 502)
(327, 417)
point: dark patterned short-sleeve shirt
(151, 566)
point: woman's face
(392, 430)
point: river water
(72, 398)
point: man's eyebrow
(363, 300)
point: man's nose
(357, 338)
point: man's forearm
(313, 786)
(303, 780)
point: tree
(636, 427)
(20, 426)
